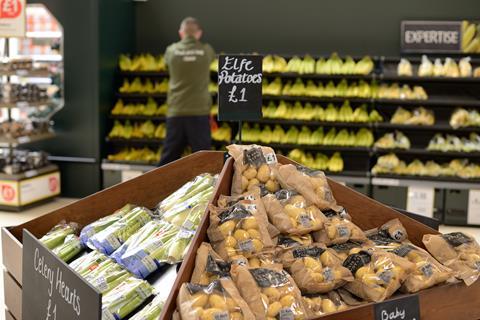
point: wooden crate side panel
(12, 255)
(13, 295)
(8, 315)
(146, 190)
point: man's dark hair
(190, 26)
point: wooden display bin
(445, 302)
(146, 190)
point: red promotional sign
(8, 193)
(53, 184)
(10, 9)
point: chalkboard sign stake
(240, 131)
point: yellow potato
(254, 262)
(241, 235)
(271, 318)
(252, 183)
(397, 272)
(254, 234)
(377, 291)
(317, 182)
(362, 271)
(272, 186)
(274, 309)
(257, 245)
(209, 314)
(250, 173)
(317, 277)
(227, 227)
(198, 311)
(230, 242)
(273, 294)
(236, 316)
(204, 279)
(199, 299)
(328, 306)
(337, 274)
(328, 259)
(249, 223)
(331, 232)
(312, 264)
(298, 201)
(217, 301)
(263, 173)
(287, 300)
(231, 304)
(244, 183)
(293, 211)
(342, 307)
(231, 251)
(371, 280)
(355, 250)
(265, 300)
(294, 223)
(317, 301)
(320, 191)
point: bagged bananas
(291, 213)
(338, 229)
(209, 266)
(378, 274)
(270, 292)
(321, 304)
(238, 230)
(311, 184)
(315, 269)
(218, 300)
(253, 167)
(457, 251)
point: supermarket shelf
(28, 73)
(45, 57)
(6, 142)
(319, 148)
(317, 99)
(314, 123)
(126, 166)
(315, 76)
(426, 152)
(151, 74)
(44, 34)
(24, 104)
(394, 77)
(433, 182)
(352, 177)
(136, 117)
(440, 126)
(29, 174)
(135, 141)
(141, 95)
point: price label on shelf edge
(473, 206)
(53, 291)
(420, 200)
(12, 18)
(239, 87)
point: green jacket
(188, 63)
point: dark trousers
(182, 131)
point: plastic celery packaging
(88, 262)
(57, 235)
(144, 252)
(125, 298)
(69, 249)
(107, 276)
(111, 238)
(101, 224)
(151, 311)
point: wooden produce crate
(146, 190)
(444, 302)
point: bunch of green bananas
(142, 62)
(151, 108)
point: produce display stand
(449, 301)
(146, 190)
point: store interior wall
(285, 26)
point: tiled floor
(11, 219)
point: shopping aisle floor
(14, 218)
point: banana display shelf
(445, 94)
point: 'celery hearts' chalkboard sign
(239, 87)
(51, 289)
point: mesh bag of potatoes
(343, 250)
(378, 274)
(251, 199)
(238, 230)
(209, 266)
(291, 213)
(315, 269)
(458, 251)
(284, 241)
(338, 229)
(219, 300)
(270, 292)
(252, 168)
(321, 304)
(313, 185)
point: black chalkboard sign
(239, 87)
(431, 36)
(404, 308)
(53, 291)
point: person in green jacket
(188, 99)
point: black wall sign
(431, 36)
(53, 291)
(239, 87)
(405, 308)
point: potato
(274, 309)
(327, 258)
(227, 228)
(273, 294)
(293, 211)
(317, 182)
(317, 277)
(362, 271)
(312, 264)
(231, 304)
(217, 301)
(298, 201)
(328, 306)
(287, 300)
(236, 316)
(257, 245)
(263, 173)
(209, 314)
(320, 191)
(198, 311)
(272, 186)
(199, 299)
(342, 307)
(354, 251)
(231, 242)
(331, 232)
(371, 280)
(252, 183)
(294, 223)
(249, 223)
(241, 235)
(254, 263)
(231, 251)
(254, 234)
(244, 183)
(204, 279)
(250, 173)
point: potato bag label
(266, 278)
(456, 239)
(307, 252)
(356, 261)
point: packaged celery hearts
(457, 251)
(291, 213)
(311, 184)
(87, 263)
(106, 276)
(338, 229)
(151, 311)
(318, 305)
(219, 300)
(57, 235)
(378, 274)
(315, 269)
(270, 292)
(112, 237)
(252, 168)
(69, 248)
(209, 266)
(238, 230)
